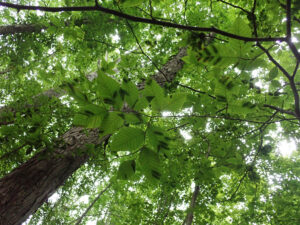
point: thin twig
(143, 52)
(266, 123)
(92, 204)
(177, 127)
(192, 89)
(235, 6)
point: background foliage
(236, 97)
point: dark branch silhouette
(141, 20)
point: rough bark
(168, 72)
(19, 28)
(27, 187)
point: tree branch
(295, 71)
(288, 40)
(294, 50)
(280, 109)
(274, 61)
(289, 32)
(296, 97)
(141, 20)
(238, 186)
(288, 20)
(291, 80)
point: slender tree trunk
(78, 221)
(190, 216)
(27, 187)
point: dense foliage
(201, 145)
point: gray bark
(19, 28)
(27, 187)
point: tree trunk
(190, 216)
(21, 28)
(27, 187)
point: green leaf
(241, 28)
(157, 139)
(158, 104)
(251, 65)
(275, 84)
(88, 121)
(152, 89)
(273, 73)
(126, 170)
(217, 55)
(241, 107)
(133, 118)
(154, 95)
(74, 92)
(94, 121)
(175, 102)
(131, 92)
(111, 123)
(127, 139)
(92, 109)
(107, 87)
(90, 116)
(141, 104)
(150, 164)
(240, 48)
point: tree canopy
(149, 112)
